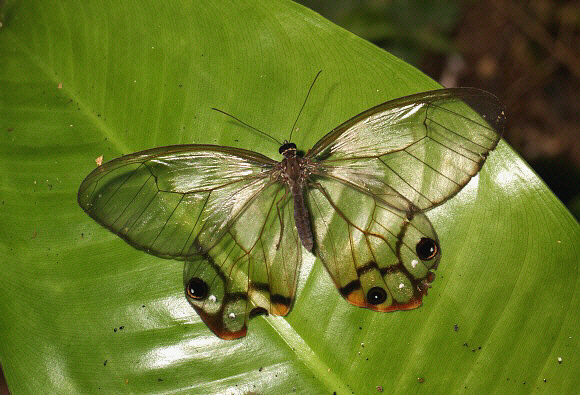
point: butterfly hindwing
(369, 248)
(252, 270)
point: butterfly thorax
(293, 168)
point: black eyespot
(426, 249)
(286, 146)
(376, 295)
(197, 288)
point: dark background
(525, 52)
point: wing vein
(166, 221)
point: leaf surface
(84, 312)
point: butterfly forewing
(160, 200)
(426, 147)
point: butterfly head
(288, 149)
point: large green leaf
(82, 311)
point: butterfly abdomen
(295, 172)
(301, 217)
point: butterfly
(357, 200)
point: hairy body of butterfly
(294, 171)
(356, 200)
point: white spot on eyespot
(414, 263)
(212, 298)
(232, 315)
(401, 285)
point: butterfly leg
(327, 196)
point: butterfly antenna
(250, 126)
(303, 104)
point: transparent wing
(216, 208)
(251, 271)
(164, 199)
(415, 152)
(378, 256)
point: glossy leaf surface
(84, 312)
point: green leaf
(84, 312)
